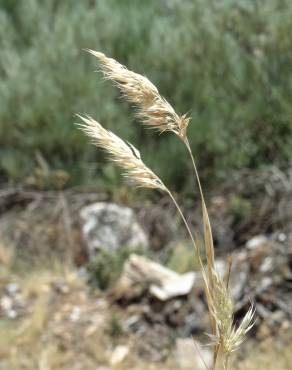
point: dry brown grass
(155, 112)
(46, 339)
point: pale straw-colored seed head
(237, 335)
(222, 306)
(154, 111)
(122, 153)
(227, 335)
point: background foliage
(227, 63)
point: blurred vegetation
(182, 259)
(227, 63)
(106, 267)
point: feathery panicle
(153, 109)
(124, 154)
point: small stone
(12, 288)
(282, 237)
(6, 303)
(178, 286)
(75, 314)
(12, 314)
(267, 264)
(131, 322)
(256, 241)
(118, 355)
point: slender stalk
(210, 250)
(187, 144)
(197, 251)
(226, 361)
(210, 255)
(215, 356)
(187, 227)
(197, 254)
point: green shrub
(226, 61)
(106, 267)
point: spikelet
(122, 153)
(222, 307)
(227, 336)
(237, 335)
(153, 110)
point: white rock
(110, 226)
(12, 314)
(282, 237)
(178, 286)
(191, 355)
(12, 288)
(75, 313)
(6, 303)
(256, 241)
(142, 269)
(118, 355)
(163, 283)
(267, 264)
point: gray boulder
(109, 226)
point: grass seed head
(228, 337)
(237, 335)
(122, 153)
(153, 110)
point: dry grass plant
(155, 112)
